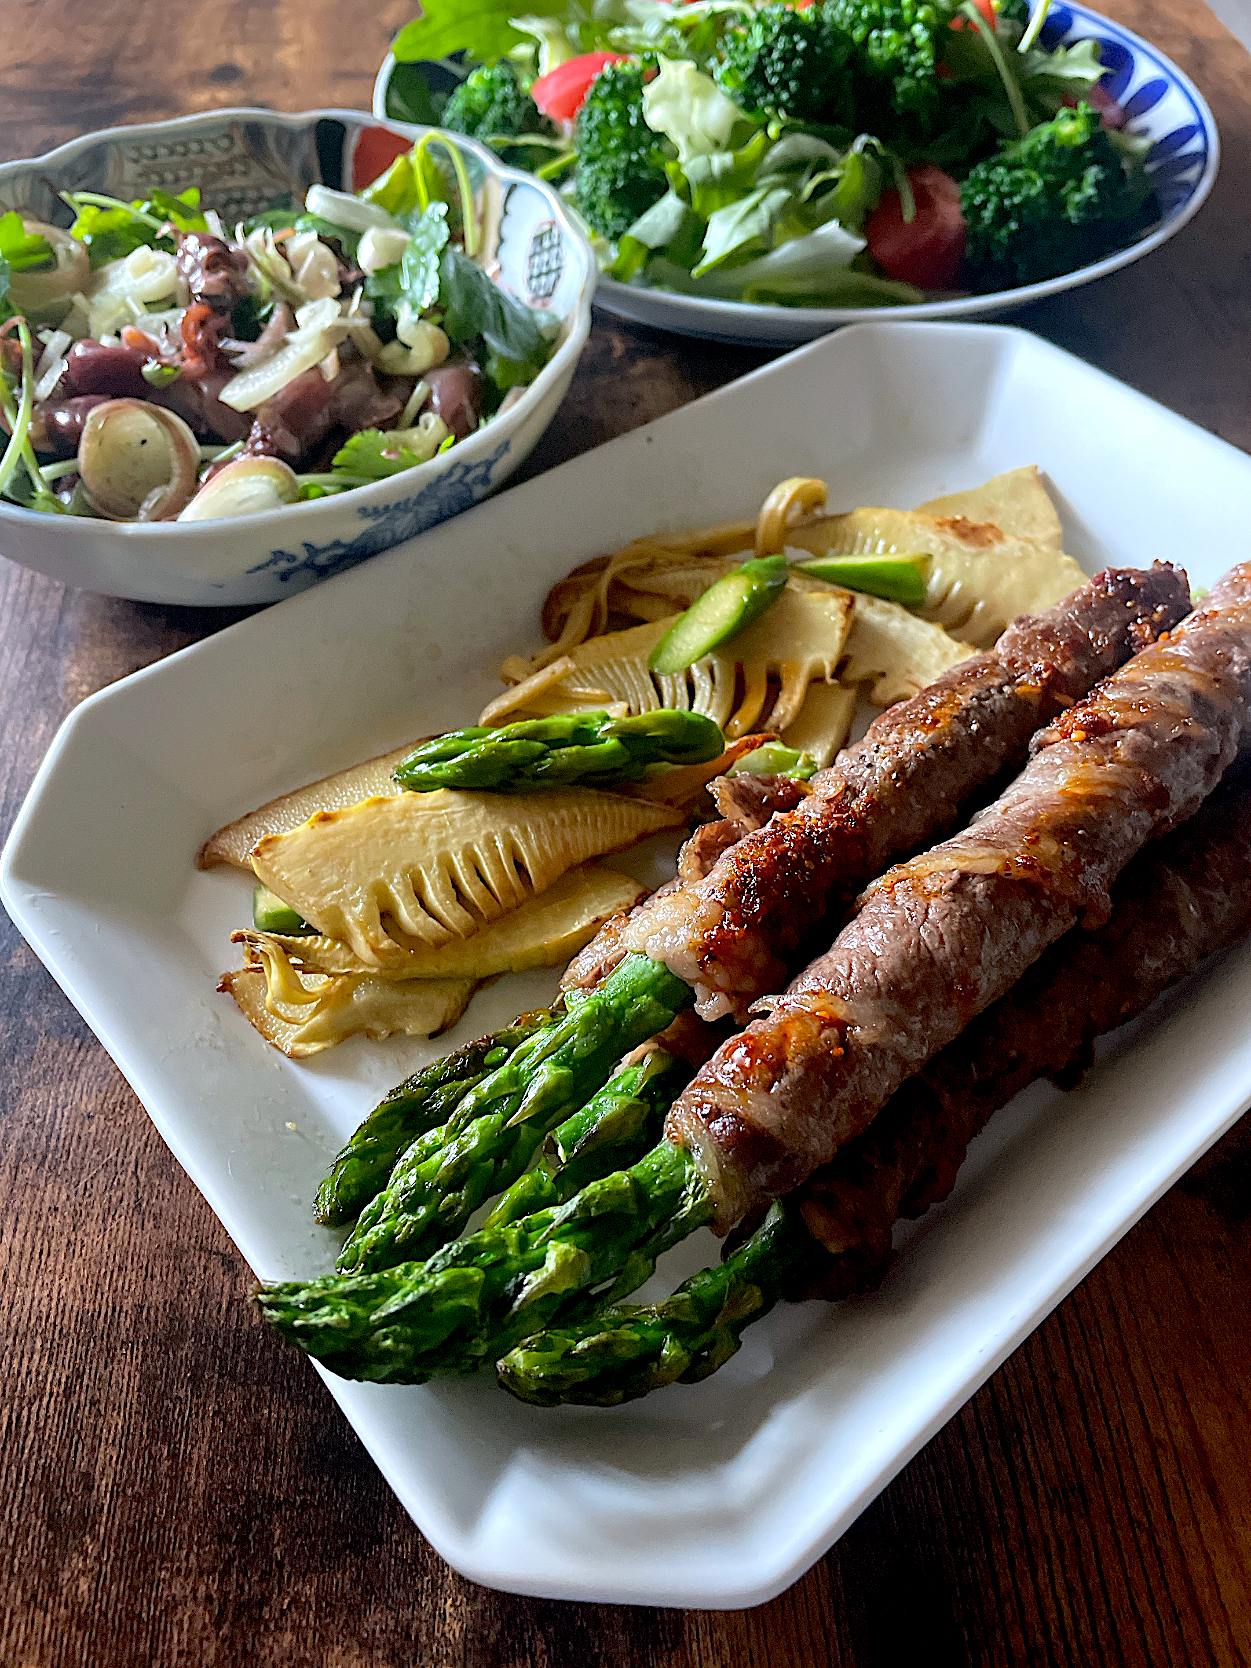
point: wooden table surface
(176, 1488)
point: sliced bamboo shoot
(389, 875)
(800, 638)
(1016, 502)
(369, 780)
(337, 1008)
(980, 578)
(543, 932)
(896, 651)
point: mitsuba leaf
(182, 211)
(5, 310)
(114, 231)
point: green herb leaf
(474, 306)
(480, 28)
(419, 269)
(415, 276)
(21, 250)
(112, 229)
(375, 455)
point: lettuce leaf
(689, 109)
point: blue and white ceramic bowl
(1160, 102)
(244, 161)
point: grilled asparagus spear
(624, 1351)
(481, 1294)
(421, 1103)
(591, 749)
(497, 1126)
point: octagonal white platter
(721, 1494)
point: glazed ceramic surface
(245, 161)
(718, 1494)
(1161, 103)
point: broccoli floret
(790, 63)
(1049, 203)
(1014, 11)
(492, 104)
(621, 163)
(896, 49)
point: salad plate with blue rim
(1156, 116)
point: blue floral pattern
(1157, 104)
(459, 486)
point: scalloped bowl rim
(738, 316)
(576, 324)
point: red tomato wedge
(376, 149)
(560, 92)
(928, 249)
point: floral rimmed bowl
(1160, 102)
(245, 161)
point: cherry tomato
(927, 250)
(560, 92)
(987, 9)
(1111, 114)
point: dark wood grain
(175, 1489)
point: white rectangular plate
(720, 1494)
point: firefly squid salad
(157, 365)
(766, 1044)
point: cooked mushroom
(244, 487)
(138, 462)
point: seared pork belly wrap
(738, 932)
(941, 937)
